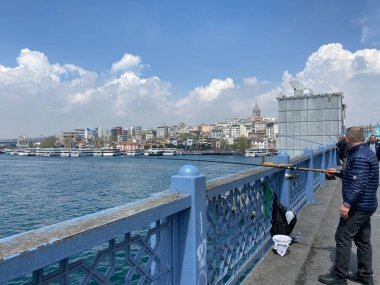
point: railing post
(331, 156)
(334, 156)
(309, 177)
(322, 178)
(284, 195)
(190, 229)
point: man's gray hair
(355, 134)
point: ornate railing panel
(298, 189)
(239, 221)
(122, 245)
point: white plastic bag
(281, 243)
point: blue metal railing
(195, 233)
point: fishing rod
(263, 164)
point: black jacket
(361, 179)
(342, 148)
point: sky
(86, 64)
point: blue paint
(310, 177)
(322, 176)
(284, 187)
(192, 231)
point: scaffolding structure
(308, 120)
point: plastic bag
(281, 243)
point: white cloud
(334, 69)
(251, 81)
(38, 97)
(208, 93)
(128, 62)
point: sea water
(40, 191)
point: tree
(48, 142)
(224, 144)
(242, 143)
(67, 143)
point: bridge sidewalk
(315, 254)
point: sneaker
(331, 278)
(359, 279)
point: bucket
(281, 243)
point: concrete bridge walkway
(315, 254)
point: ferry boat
(135, 152)
(154, 152)
(65, 152)
(22, 152)
(169, 151)
(81, 152)
(257, 152)
(47, 152)
(97, 152)
(111, 152)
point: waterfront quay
(196, 232)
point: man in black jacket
(360, 180)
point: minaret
(256, 113)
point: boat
(81, 152)
(111, 152)
(257, 152)
(169, 151)
(154, 152)
(65, 152)
(97, 152)
(48, 152)
(135, 152)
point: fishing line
(324, 132)
(293, 137)
(264, 164)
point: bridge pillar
(189, 229)
(284, 195)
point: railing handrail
(221, 185)
(24, 252)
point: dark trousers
(356, 228)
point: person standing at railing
(374, 146)
(360, 180)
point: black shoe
(331, 278)
(359, 279)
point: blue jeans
(356, 228)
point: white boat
(153, 152)
(135, 152)
(111, 152)
(257, 152)
(97, 152)
(47, 152)
(65, 152)
(81, 152)
(21, 152)
(169, 151)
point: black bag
(279, 224)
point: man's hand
(343, 211)
(331, 172)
